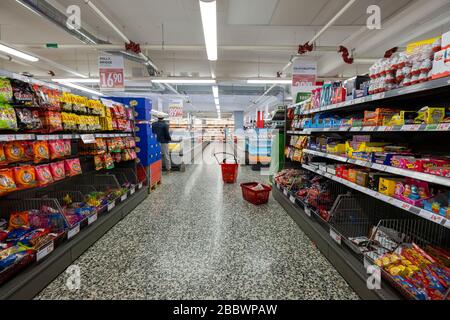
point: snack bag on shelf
(25, 177)
(7, 183)
(19, 220)
(41, 151)
(23, 94)
(108, 161)
(6, 93)
(72, 167)
(8, 120)
(44, 175)
(57, 149)
(28, 119)
(99, 163)
(57, 170)
(67, 147)
(14, 151)
(3, 160)
(52, 121)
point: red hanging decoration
(390, 52)
(345, 55)
(133, 47)
(304, 48)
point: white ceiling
(261, 24)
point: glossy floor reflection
(196, 238)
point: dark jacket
(161, 129)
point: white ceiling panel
(297, 12)
(251, 12)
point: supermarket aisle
(195, 238)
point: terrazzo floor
(196, 238)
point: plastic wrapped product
(7, 183)
(67, 148)
(14, 151)
(6, 93)
(25, 177)
(8, 120)
(72, 167)
(44, 175)
(23, 94)
(57, 149)
(41, 151)
(57, 170)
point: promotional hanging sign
(176, 108)
(111, 69)
(304, 75)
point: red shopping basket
(229, 170)
(257, 197)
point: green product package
(8, 120)
(6, 92)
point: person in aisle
(161, 129)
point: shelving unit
(429, 137)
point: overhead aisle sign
(111, 68)
(176, 108)
(304, 75)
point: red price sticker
(111, 79)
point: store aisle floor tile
(196, 238)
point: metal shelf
(27, 284)
(443, 127)
(430, 87)
(21, 137)
(395, 202)
(401, 172)
(350, 268)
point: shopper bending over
(161, 129)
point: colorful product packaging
(44, 175)
(57, 170)
(7, 183)
(72, 167)
(41, 151)
(25, 177)
(57, 149)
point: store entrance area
(196, 238)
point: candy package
(6, 93)
(19, 220)
(14, 151)
(25, 177)
(52, 121)
(3, 159)
(29, 151)
(28, 119)
(57, 170)
(72, 167)
(44, 175)
(67, 148)
(56, 148)
(108, 161)
(98, 161)
(22, 93)
(7, 183)
(40, 151)
(8, 120)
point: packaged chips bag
(23, 93)
(44, 175)
(57, 149)
(57, 170)
(25, 177)
(6, 93)
(14, 151)
(72, 167)
(8, 120)
(7, 183)
(41, 151)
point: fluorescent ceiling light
(209, 21)
(216, 101)
(270, 81)
(184, 81)
(81, 88)
(76, 80)
(215, 90)
(18, 53)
